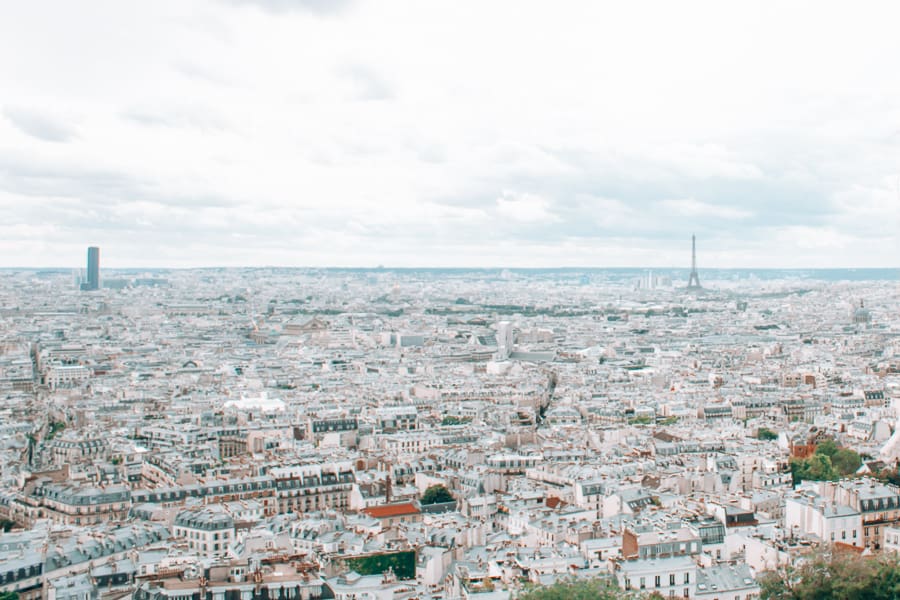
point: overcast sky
(421, 133)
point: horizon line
(457, 268)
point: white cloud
(689, 207)
(524, 208)
(374, 124)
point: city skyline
(359, 133)
(399, 300)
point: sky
(449, 133)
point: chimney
(387, 487)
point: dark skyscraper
(93, 269)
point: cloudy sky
(429, 133)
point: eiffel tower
(694, 279)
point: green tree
(592, 589)
(830, 461)
(9, 596)
(841, 575)
(437, 494)
(828, 448)
(817, 467)
(54, 428)
(846, 461)
(766, 434)
(890, 476)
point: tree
(828, 448)
(9, 596)
(839, 575)
(817, 467)
(592, 589)
(437, 494)
(890, 476)
(846, 461)
(830, 461)
(766, 434)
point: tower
(93, 269)
(694, 279)
(505, 339)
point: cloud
(367, 83)
(92, 188)
(322, 7)
(693, 208)
(524, 208)
(38, 125)
(334, 131)
(202, 119)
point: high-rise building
(505, 340)
(93, 269)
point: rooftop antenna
(694, 279)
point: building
(208, 530)
(93, 270)
(809, 515)
(726, 581)
(505, 340)
(276, 577)
(659, 543)
(669, 577)
(394, 514)
(877, 503)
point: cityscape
(441, 300)
(406, 433)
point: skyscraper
(93, 269)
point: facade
(878, 505)
(208, 530)
(808, 514)
(669, 577)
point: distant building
(505, 340)
(93, 270)
(862, 316)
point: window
(671, 578)
(687, 577)
(843, 534)
(657, 581)
(643, 582)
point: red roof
(845, 547)
(391, 510)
